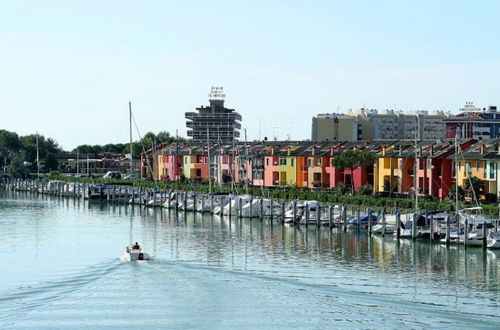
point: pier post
(283, 211)
(307, 214)
(398, 224)
(370, 217)
(261, 204)
(466, 232)
(230, 207)
(212, 204)
(448, 229)
(294, 212)
(431, 225)
(344, 217)
(318, 214)
(383, 222)
(240, 206)
(176, 201)
(485, 233)
(358, 214)
(185, 202)
(271, 213)
(251, 207)
(330, 216)
(194, 202)
(414, 226)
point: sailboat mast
(37, 158)
(416, 165)
(130, 126)
(209, 164)
(456, 171)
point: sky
(69, 68)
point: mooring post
(448, 229)
(398, 224)
(212, 203)
(283, 211)
(358, 215)
(307, 213)
(230, 206)
(271, 206)
(431, 225)
(414, 226)
(240, 207)
(330, 216)
(261, 204)
(344, 217)
(383, 222)
(294, 211)
(318, 214)
(251, 208)
(370, 219)
(466, 232)
(485, 233)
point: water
(60, 269)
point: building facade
(214, 123)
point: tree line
(149, 140)
(18, 154)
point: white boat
(253, 208)
(310, 207)
(132, 254)
(493, 242)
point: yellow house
(474, 163)
(386, 170)
(287, 167)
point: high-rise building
(474, 123)
(374, 125)
(331, 127)
(215, 122)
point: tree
(473, 187)
(9, 146)
(51, 163)
(352, 159)
(17, 169)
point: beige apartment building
(371, 124)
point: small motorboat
(134, 254)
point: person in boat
(127, 249)
(136, 246)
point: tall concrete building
(475, 123)
(215, 122)
(374, 125)
(331, 127)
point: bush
(342, 189)
(366, 189)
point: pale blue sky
(69, 68)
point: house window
(309, 162)
(292, 162)
(477, 166)
(282, 161)
(492, 170)
(267, 161)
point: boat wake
(26, 298)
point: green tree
(451, 193)
(473, 187)
(51, 163)
(17, 169)
(352, 159)
(9, 146)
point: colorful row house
(401, 167)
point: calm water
(60, 269)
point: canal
(60, 269)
